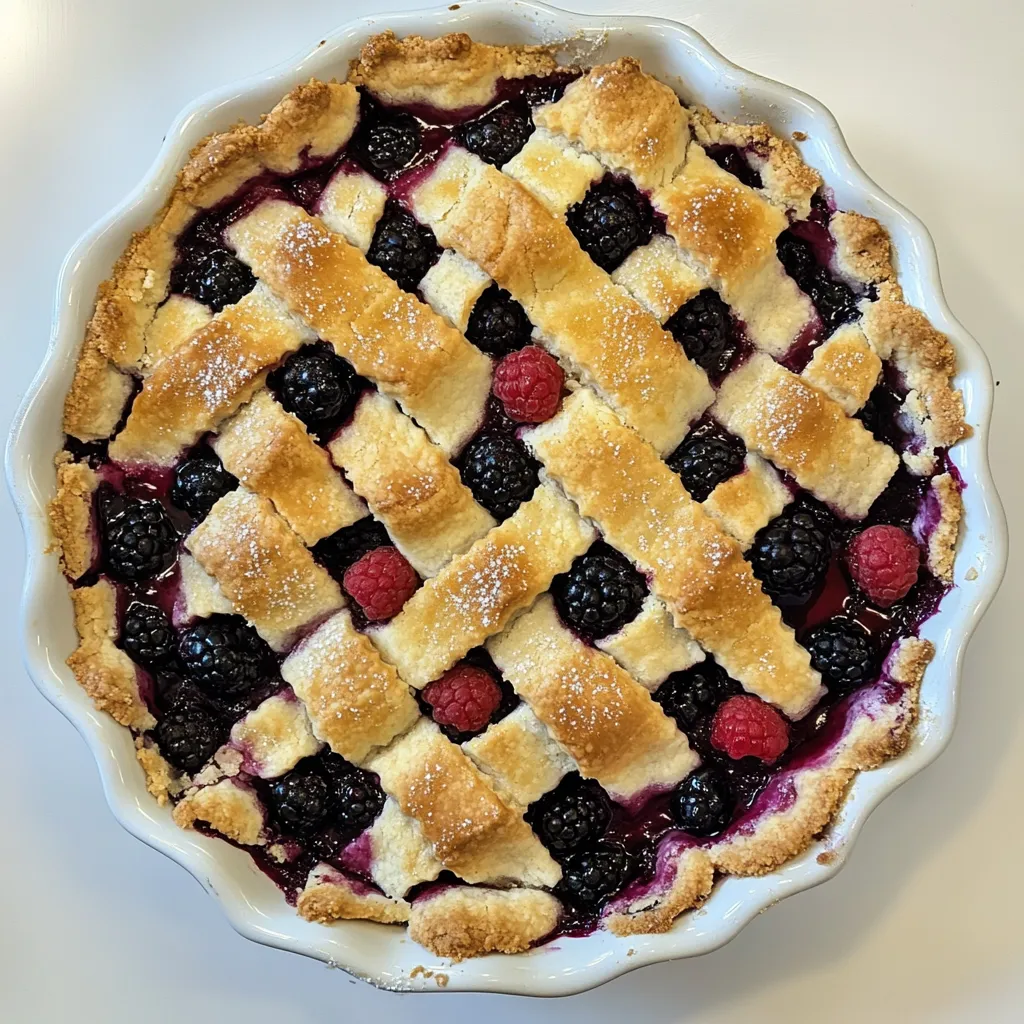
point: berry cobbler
(503, 498)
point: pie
(503, 498)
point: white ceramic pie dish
(386, 956)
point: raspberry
(884, 562)
(747, 727)
(381, 582)
(529, 383)
(465, 697)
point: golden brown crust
(696, 568)
(749, 500)
(450, 72)
(461, 922)
(98, 394)
(263, 568)
(864, 252)
(274, 736)
(162, 780)
(845, 367)
(942, 539)
(229, 807)
(330, 896)
(102, 669)
(626, 118)
(71, 518)
(478, 592)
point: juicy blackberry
(844, 653)
(388, 145)
(704, 328)
(548, 89)
(790, 555)
(216, 279)
(199, 483)
(731, 159)
(223, 654)
(592, 876)
(189, 734)
(702, 804)
(703, 462)
(610, 222)
(317, 385)
(140, 539)
(345, 547)
(146, 634)
(497, 137)
(358, 800)
(835, 301)
(797, 256)
(300, 800)
(695, 692)
(600, 593)
(500, 473)
(574, 815)
(404, 249)
(498, 324)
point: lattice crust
(75, 537)
(263, 568)
(744, 503)
(331, 896)
(200, 596)
(520, 757)
(274, 737)
(554, 171)
(698, 570)
(208, 378)
(351, 204)
(606, 720)
(409, 484)
(658, 276)
(845, 367)
(399, 854)
(355, 700)
(472, 832)
(229, 806)
(789, 421)
(651, 647)
(175, 322)
(387, 334)
(591, 324)
(478, 592)
(270, 451)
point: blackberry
(610, 221)
(702, 804)
(732, 159)
(140, 539)
(216, 279)
(835, 301)
(498, 324)
(404, 249)
(146, 634)
(797, 256)
(695, 693)
(592, 876)
(790, 555)
(496, 137)
(704, 462)
(300, 801)
(388, 144)
(574, 815)
(189, 734)
(345, 547)
(317, 385)
(704, 328)
(358, 799)
(549, 89)
(199, 483)
(223, 654)
(844, 653)
(600, 593)
(499, 471)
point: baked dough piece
(399, 855)
(472, 832)
(330, 895)
(845, 367)
(263, 568)
(697, 569)
(199, 596)
(591, 324)
(658, 276)
(230, 807)
(205, 380)
(351, 204)
(387, 334)
(75, 537)
(557, 173)
(749, 500)
(173, 324)
(786, 419)
(355, 700)
(274, 737)
(270, 451)
(606, 720)
(477, 593)
(409, 484)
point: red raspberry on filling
(381, 582)
(529, 383)
(747, 727)
(465, 697)
(883, 562)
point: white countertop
(924, 924)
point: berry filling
(611, 220)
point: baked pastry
(503, 498)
